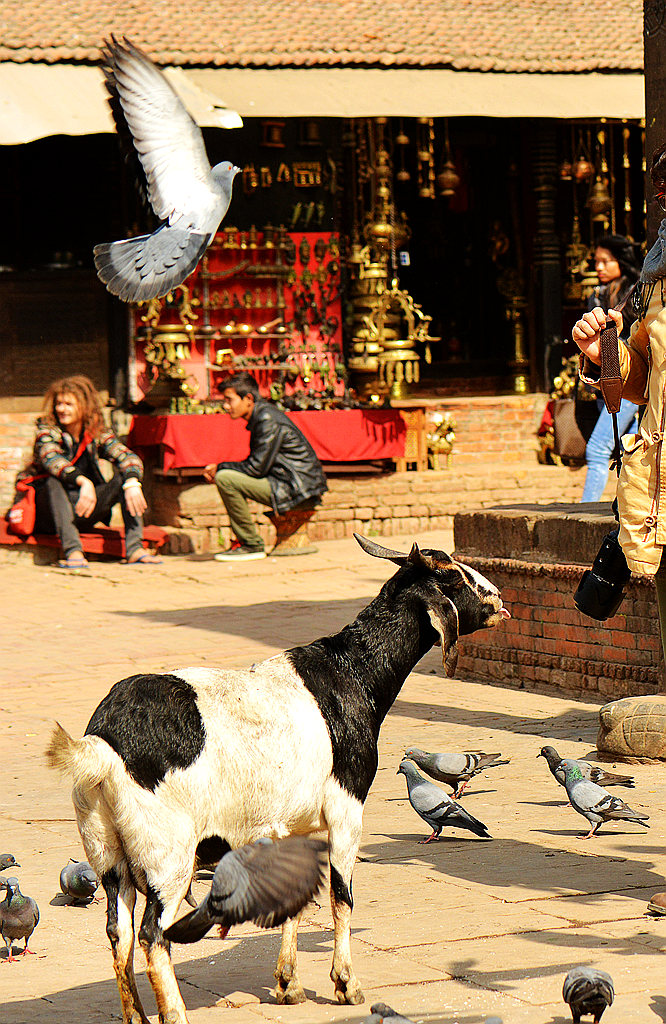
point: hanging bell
(582, 170)
(447, 179)
(599, 202)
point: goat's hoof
(350, 993)
(290, 995)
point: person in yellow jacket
(641, 492)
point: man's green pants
(235, 488)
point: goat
(172, 763)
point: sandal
(145, 559)
(73, 563)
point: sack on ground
(22, 514)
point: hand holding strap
(610, 380)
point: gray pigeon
(7, 860)
(435, 807)
(591, 772)
(78, 880)
(595, 803)
(266, 882)
(380, 1013)
(19, 916)
(186, 194)
(587, 990)
(456, 770)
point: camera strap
(610, 382)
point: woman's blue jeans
(600, 447)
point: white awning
(37, 100)
(350, 92)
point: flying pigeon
(266, 882)
(595, 803)
(591, 772)
(456, 770)
(78, 880)
(187, 195)
(19, 916)
(587, 990)
(7, 860)
(435, 807)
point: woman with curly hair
(74, 495)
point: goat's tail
(89, 760)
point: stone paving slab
(447, 932)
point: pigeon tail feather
(149, 266)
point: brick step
(382, 505)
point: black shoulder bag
(601, 589)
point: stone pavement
(451, 932)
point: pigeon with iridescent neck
(19, 916)
(591, 772)
(595, 803)
(78, 880)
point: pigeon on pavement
(595, 803)
(455, 769)
(435, 807)
(588, 990)
(380, 1013)
(78, 880)
(19, 916)
(7, 860)
(266, 882)
(186, 194)
(591, 772)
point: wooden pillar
(547, 281)
(654, 38)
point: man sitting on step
(281, 471)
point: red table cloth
(338, 435)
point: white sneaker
(240, 553)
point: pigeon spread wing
(168, 141)
(187, 195)
(264, 882)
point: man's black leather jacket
(280, 453)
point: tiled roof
(467, 35)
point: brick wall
(548, 642)
(17, 434)
(502, 426)
(387, 504)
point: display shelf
(279, 302)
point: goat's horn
(380, 552)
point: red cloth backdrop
(339, 435)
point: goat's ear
(380, 552)
(443, 615)
(435, 561)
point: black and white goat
(173, 763)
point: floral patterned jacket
(54, 450)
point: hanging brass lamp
(447, 179)
(599, 201)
